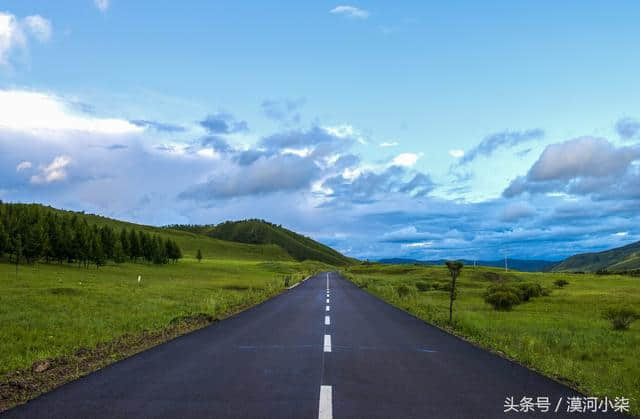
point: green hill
(264, 233)
(189, 241)
(620, 259)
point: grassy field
(49, 310)
(561, 335)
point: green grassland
(48, 310)
(561, 335)
(263, 232)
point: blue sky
(416, 129)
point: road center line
(327, 308)
(325, 410)
(327, 301)
(327, 343)
(327, 320)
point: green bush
(528, 290)
(423, 286)
(403, 291)
(442, 286)
(561, 283)
(502, 297)
(620, 317)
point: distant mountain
(624, 258)
(262, 232)
(516, 264)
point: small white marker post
(139, 279)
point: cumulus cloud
(24, 165)
(158, 126)
(350, 12)
(506, 139)
(53, 172)
(285, 110)
(278, 173)
(406, 159)
(14, 33)
(517, 211)
(456, 154)
(102, 5)
(367, 186)
(580, 166)
(223, 123)
(34, 112)
(628, 128)
(39, 27)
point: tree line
(30, 233)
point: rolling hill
(620, 259)
(188, 241)
(523, 265)
(264, 233)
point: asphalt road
(308, 353)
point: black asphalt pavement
(371, 361)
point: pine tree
(119, 255)
(4, 238)
(17, 250)
(134, 246)
(124, 241)
(199, 256)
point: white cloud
(405, 159)
(345, 131)
(53, 172)
(417, 245)
(350, 11)
(32, 112)
(389, 144)
(621, 233)
(13, 33)
(39, 27)
(23, 165)
(103, 5)
(456, 153)
(11, 36)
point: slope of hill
(523, 265)
(265, 233)
(188, 241)
(614, 260)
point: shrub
(490, 276)
(620, 317)
(403, 291)
(527, 290)
(561, 283)
(423, 286)
(502, 297)
(442, 286)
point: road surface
(320, 350)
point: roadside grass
(50, 311)
(561, 335)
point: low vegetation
(621, 317)
(557, 330)
(263, 232)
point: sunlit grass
(48, 311)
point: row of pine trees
(31, 233)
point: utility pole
(506, 268)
